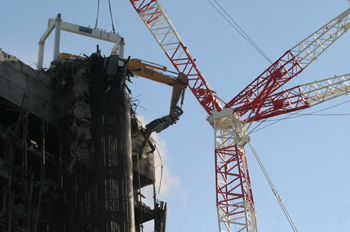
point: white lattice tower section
(235, 205)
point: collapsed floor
(74, 156)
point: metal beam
(59, 25)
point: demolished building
(74, 156)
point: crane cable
(98, 10)
(239, 30)
(110, 11)
(274, 189)
(297, 115)
(314, 113)
(161, 171)
(277, 120)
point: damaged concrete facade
(73, 155)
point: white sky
(307, 157)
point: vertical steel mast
(234, 197)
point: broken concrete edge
(25, 87)
(7, 57)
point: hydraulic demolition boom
(179, 84)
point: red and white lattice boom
(234, 198)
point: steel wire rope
(255, 45)
(239, 30)
(98, 10)
(274, 189)
(161, 170)
(265, 172)
(314, 113)
(110, 11)
(139, 180)
(310, 114)
(296, 115)
(277, 120)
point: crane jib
(279, 73)
(167, 37)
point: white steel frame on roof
(59, 25)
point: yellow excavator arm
(179, 84)
(149, 71)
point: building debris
(70, 149)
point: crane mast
(234, 198)
(235, 203)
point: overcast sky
(307, 157)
